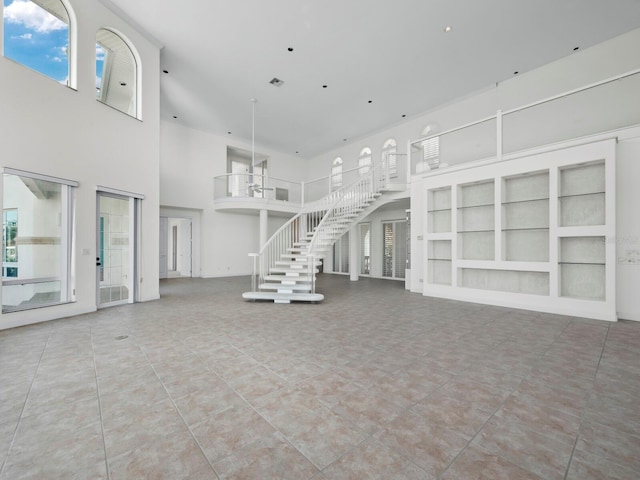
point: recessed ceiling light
(229, 133)
(165, 71)
(344, 139)
(276, 82)
(516, 72)
(370, 101)
(175, 116)
(403, 115)
(448, 28)
(297, 151)
(290, 49)
(576, 48)
(123, 84)
(324, 86)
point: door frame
(134, 206)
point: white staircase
(286, 267)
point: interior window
(116, 72)
(336, 174)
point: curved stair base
(283, 297)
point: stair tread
(280, 286)
(299, 297)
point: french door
(116, 249)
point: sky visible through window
(36, 39)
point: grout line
(95, 370)
(26, 399)
(575, 443)
(175, 406)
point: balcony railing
(262, 188)
(600, 107)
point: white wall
(614, 57)
(50, 129)
(189, 160)
(628, 228)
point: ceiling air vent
(276, 82)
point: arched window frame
(336, 174)
(364, 161)
(137, 76)
(71, 47)
(389, 159)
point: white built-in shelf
(476, 220)
(525, 217)
(509, 234)
(439, 212)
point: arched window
(430, 151)
(364, 161)
(336, 174)
(37, 34)
(116, 72)
(389, 157)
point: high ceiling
(379, 59)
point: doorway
(176, 252)
(116, 249)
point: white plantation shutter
(430, 153)
(364, 161)
(341, 254)
(388, 153)
(400, 249)
(394, 252)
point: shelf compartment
(439, 211)
(582, 250)
(582, 210)
(525, 214)
(439, 221)
(439, 199)
(581, 196)
(583, 281)
(476, 245)
(439, 263)
(440, 272)
(476, 194)
(582, 179)
(511, 281)
(526, 245)
(479, 218)
(528, 187)
(581, 267)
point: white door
(115, 260)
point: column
(264, 217)
(354, 253)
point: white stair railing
(338, 219)
(317, 227)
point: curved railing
(320, 218)
(346, 208)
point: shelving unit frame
(534, 262)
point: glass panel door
(115, 259)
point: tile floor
(373, 383)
